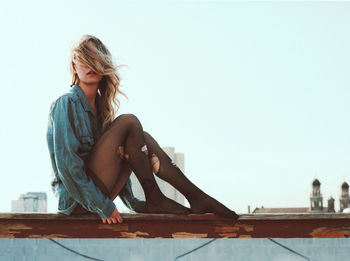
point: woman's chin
(90, 81)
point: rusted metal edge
(53, 225)
(192, 217)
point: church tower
(316, 199)
(344, 197)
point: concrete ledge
(52, 225)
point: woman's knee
(147, 136)
(128, 119)
(151, 142)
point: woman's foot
(206, 204)
(166, 206)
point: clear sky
(256, 94)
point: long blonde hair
(101, 62)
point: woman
(93, 154)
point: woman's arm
(70, 165)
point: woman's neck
(90, 91)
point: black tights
(141, 149)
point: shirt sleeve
(70, 166)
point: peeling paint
(227, 235)
(137, 234)
(49, 236)
(14, 226)
(226, 229)
(245, 236)
(247, 228)
(7, 235)
(13, 230)
(331, 232)
(188, 235)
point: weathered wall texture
(168, 249)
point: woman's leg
(106, 162)
(125, 172)
(165, 169)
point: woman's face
(85, 74)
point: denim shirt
(72, 131)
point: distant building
(330, 206)
(30, 202)
(316, 199)
(280, 210)
(168, 190)
(344, 197)
(316, 202)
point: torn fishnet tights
(125, 144)
(154, 159)
(105, 158)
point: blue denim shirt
(72, 131)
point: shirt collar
(79, 92)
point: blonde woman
(93, 154)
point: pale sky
(255, 94)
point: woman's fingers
(119, 218)
(111, 220)
(115, 218)
(121, 151)
(116, 215)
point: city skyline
(316, 200)
(21, 205)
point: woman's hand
(114, 218)
(123, 156)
